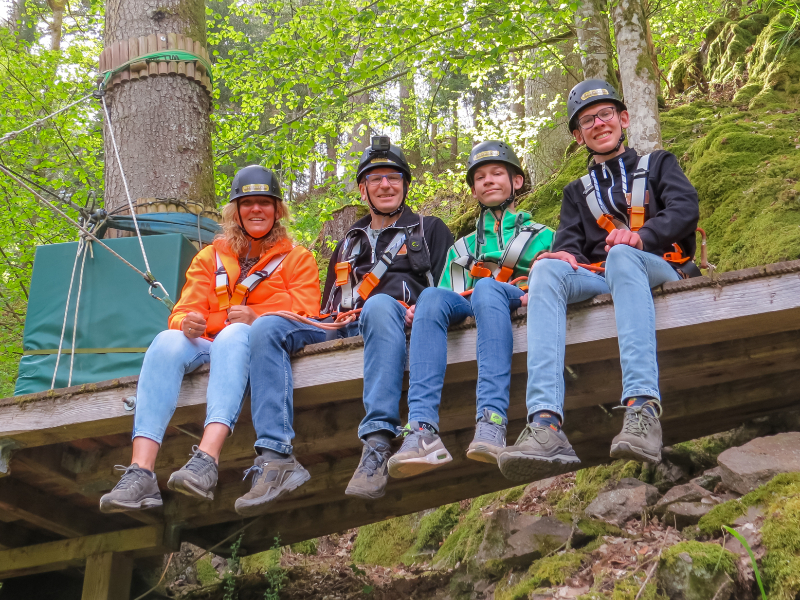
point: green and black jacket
(514, 241)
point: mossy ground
(708, 557)
(545, 572)
(588, 482)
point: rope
(148, 277)
(75, 320)
(83, 211)
(12, 134)
(66, 311)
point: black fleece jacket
(400, 281)
(671, 215)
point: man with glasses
(376, 272)
(635, 216)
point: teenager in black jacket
(383, 263)
(636, 216)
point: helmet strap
(508, 201)
(244, 231)
(396, 210)
(617, 147)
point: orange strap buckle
(606, 223)
(222, 296)
(343, 270)
(505, 274)
(367, 285)
(676, 257)
(637, 217)
(239, 294)
(479, 271)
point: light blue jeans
(629, 276)
(437, 309)
(274, 340)
(171, 356)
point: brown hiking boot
(540, 452)
(272, 478)
(640, 438)
(370, 479)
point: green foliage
(229, 579)
(385, 542)
(206, 573)
(464, 541)
(432, 530)
(308, 547)
(545, 572)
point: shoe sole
(408, 467)
(483, 453)
(119, 507)
(185, 487)
(257, 506)
(518, 466)
(357, 493)
(629, 452)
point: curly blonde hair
(238, 242)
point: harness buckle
(343, 270)
(368, 284)
(676, 257)
(239, 294)
(637, 217)
(479, 271)
(606, 223)
(222, 296)
(505, 274)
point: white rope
(66, 311)
(12, 134)
(125, 183)
(75, 321)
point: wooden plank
(53, 556)
(107, 577)
(152, 46)
(144, 71)
(13, 535)
(163, 67)
(133, 52)
(172, 44)
(190, 71)
(181, 64)
(123, 58)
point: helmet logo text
(255, 187)
(590, 93)
(380, 160)
(486, 153)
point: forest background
(301, 85)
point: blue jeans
(274, 339)
(171, 356)
(629, 276)
(437, 309)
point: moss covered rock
(697, 571)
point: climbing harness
(243, 289)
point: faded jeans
(171, 356)
(630, 274)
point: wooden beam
(53, 556)
(738, 305)
(107, 577)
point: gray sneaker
(137, 489)
(490, 438)
(640, 438)
(422, 451)
(272, 478)
(369, 480)
(197, 478)
(540, 452)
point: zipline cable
(148, 277)
(12, 134)
(83, 211)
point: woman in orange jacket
(252, 268)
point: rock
(628, 500)
(538, 486)
(516, 540)
(668, 475)
(686, 577)
(757, 462)
(688, 492)
(683, 514)
(709, 479)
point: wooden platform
(728, 349)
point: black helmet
(255, 180)
(382, 153)
(492, 151)
(587, 93)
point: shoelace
(530, 431)
(488, 431)
(637, 422)
(372, 460)
(130, 477)
(199, 465)
(254, 469)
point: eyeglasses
(605, 115)
(375, 179)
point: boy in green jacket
(485, 262)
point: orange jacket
(294, 286)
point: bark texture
(639, 78)
(553, 138)
(594, 40)
(162, 124)
(58, 19)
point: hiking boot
(273, 477)
(137, 489)
(197, 478)
(422, 450)
(369, 480)
(640, 438)
(490, 438)
(540, 452)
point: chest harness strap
(364, 288)
(243, 289)
(637, 200)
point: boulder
(669, 474)
(516, 540)
(695, 571)
(686, 493)
(747, 467)
(684, 514)
(629, 499)
(709, 479)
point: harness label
(486, 153)
(591, 93)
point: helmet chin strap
(244, 231)
(396, 210)
(595, 153)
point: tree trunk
(516, 89)
(312, 175)
(162, 123)
(408, 121)
(454, 134)
(594, 40)
(55, 27)
(477, 108)
(435, 146)
(330, 149)
(553, 136)
(639, 78)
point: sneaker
(640, 438)
(490, 438)
(540, 452)
(272, 478)
(422, 451)
(369, 480)
(197, 478)
(137, 489)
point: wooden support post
(6, 447)
(107, 577)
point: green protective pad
(115, 312)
